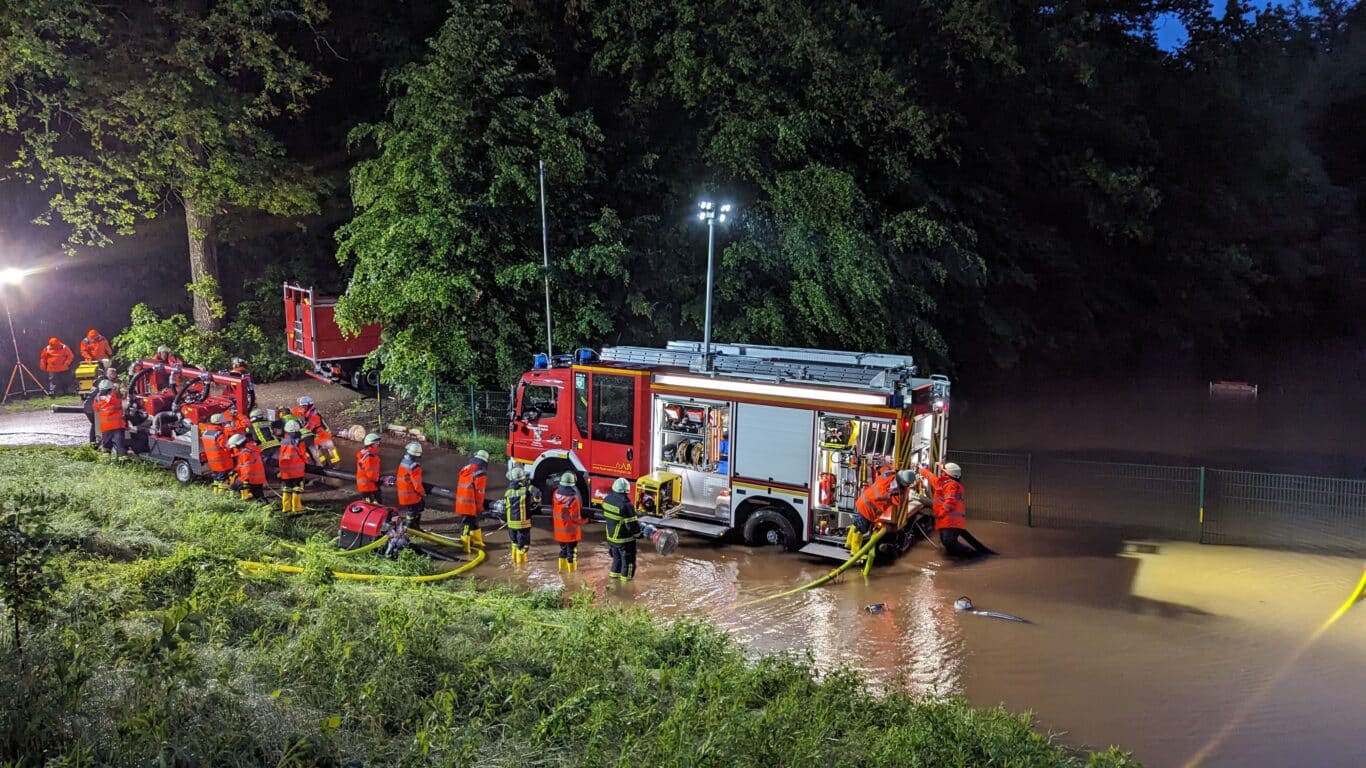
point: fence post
(379, 404)
(1029, 490)
(474, 416)
(436, 409)
(1202, 505)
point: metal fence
(459, 412)
(1211, 506)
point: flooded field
(1166, 649)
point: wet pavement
(1166, 649)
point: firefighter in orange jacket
(877, 504)
(251, 471)
(291, 458)
(367, 469)
(55, 360)
(214, 453)
(412, 493)
(108, 407)
(321, 441)
(95, 347)
(950, 514)
(567, 509)
(469, 498)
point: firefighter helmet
(217, 418)
(292, 426)
(414, 449)
(53, 341)
(163, 350)
(621, 485)
(305, 400)
(515, 475)
(905, 477)
(236, 361)
(953, 470)
(371, 439)
(481, 455)
(106, 385)
(236, 440)
(568, 480)
(257, 413)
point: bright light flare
(707, 211)
(12, 276)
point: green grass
(155, 650)
(38, 403)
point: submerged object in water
(964, 605)
(875, 607)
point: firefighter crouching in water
(411, 492)
(567, 510)
(214, 453)
(251, 471)
(316, 434)
(521, 501)
(292, 458)
(950, 513)
(622, 530)
(367, 469)
(469, 499)
(109, 417)
(879, 501)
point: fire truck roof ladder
(883, 373)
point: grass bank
(38, 403)
(150, 648)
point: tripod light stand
(20, 375)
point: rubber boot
(285, 502)
(574, 564)
(855, 540)
(563, 564)
(298, 502)
(244, 494)
(335, 456)
(465, 539)
(477, 538)
(521, 554)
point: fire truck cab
(769, 444)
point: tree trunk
(202, 230)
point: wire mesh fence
(1212, 506)
(465, 413)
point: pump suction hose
(480, 556)
(865, 551)
(376, 544)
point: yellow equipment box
(659, 492)
(85, 375)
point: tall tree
(128, 108)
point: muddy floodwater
(1170, 650)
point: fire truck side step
(830, 551)
(691, 526)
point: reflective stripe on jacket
(263, 435)
(409, 484)
(622, 525)
(312, 422)
(250, 469)
(212, 451)
(292, 458)
(469, 492)
(568, 513)
(109, 412)
(881, 499)
(520, 502)
(367, 469)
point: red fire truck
(770, 444)
(311, 333)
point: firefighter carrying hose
(214, 453)
(292, 458)
(411, 492)
(251, 471)
(108, 407)
(324, 449)
(950, 514)
(469, 498)
(877, 504)
(622, 530)
(521, 501)
(567, 510)
(367, 469)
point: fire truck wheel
(182, 471)
(768, 528)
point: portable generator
(85, 375)
(659, 492)
(362, 523)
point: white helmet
(106, 385)
(236, 440)
(515, 475)
(953, 470)
(292, 427)
(905, 477)
(371, 439)
(305, 400)
(481, 455)
(620, 485)
(414, 449)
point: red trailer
(312, 333)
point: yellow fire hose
(479, 557)
(1251, 702)
(865, 551)
(376, 544)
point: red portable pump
(363, 522)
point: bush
(157, 651)
(251, 335)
